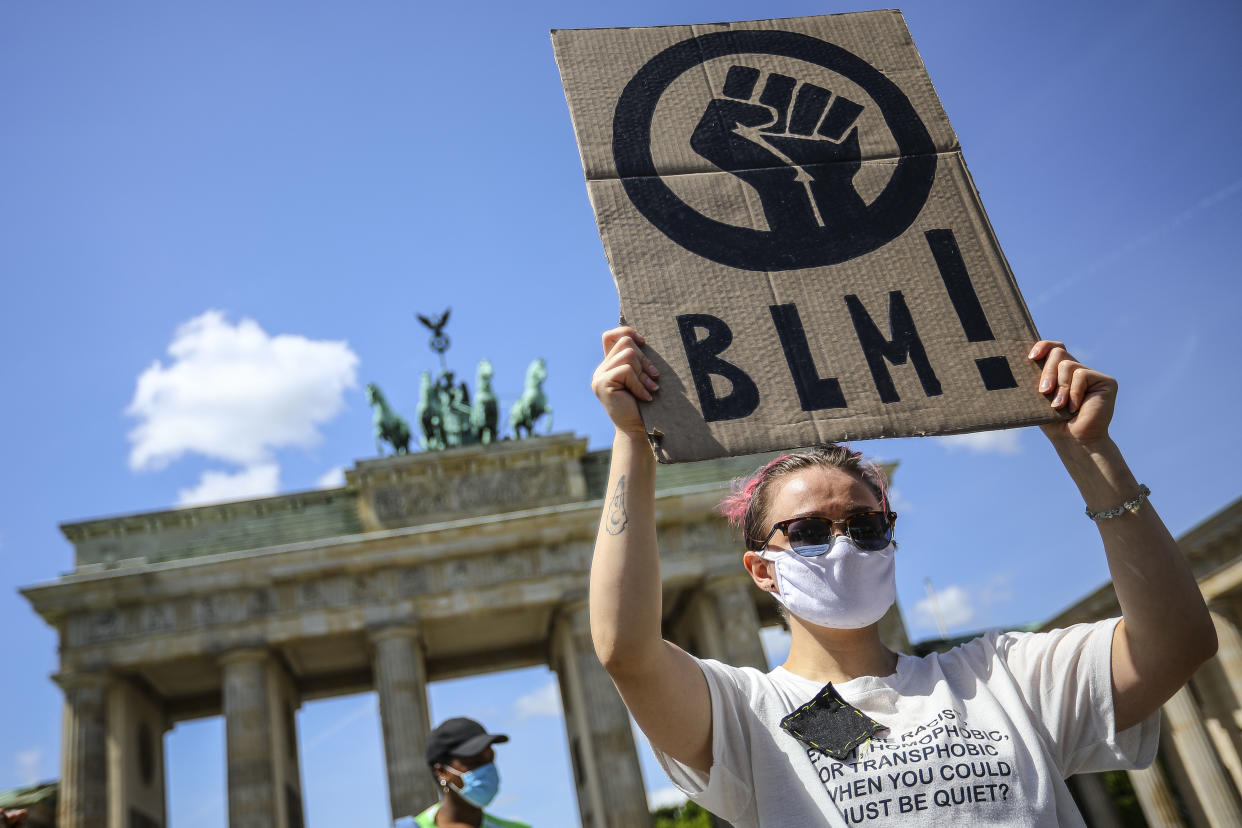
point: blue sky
(193, 193)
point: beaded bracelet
(1129, 506)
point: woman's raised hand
(1078, 390)
(623, 378)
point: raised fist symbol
(797, 145)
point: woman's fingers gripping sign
(624, 377)
(1086, 394)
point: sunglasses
(811, 536)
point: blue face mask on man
(478, 786)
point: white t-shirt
(984, 734)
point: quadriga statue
(389, 427)
(485, 413)
(533, 404)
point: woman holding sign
(847, 731)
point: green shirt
(427, 819)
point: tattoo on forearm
(616, 519)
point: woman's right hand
(623, 378)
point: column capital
(405, 630)
(573, 600)
(244, 654)
(570, 614)
(83, 680)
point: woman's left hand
(1088, 395)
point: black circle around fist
(886, 218)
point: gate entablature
(478, 587)
(106, 544)
(381, 493)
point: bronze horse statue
(430, 417)
(533, 404)
(389, 427)
(485, 413)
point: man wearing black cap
(460, 755)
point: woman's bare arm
(1166, 632)
(662, 686)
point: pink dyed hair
(746, 508)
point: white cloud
(235, 393)
(984, 442)
(668, 797)
(955, 607)
(545, 701)
(997, 590)
(333, 478)
(29, 766)
(259, 480)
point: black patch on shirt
(830, 724)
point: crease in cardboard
(931, 107)
(712, 170)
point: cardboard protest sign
(791, 226)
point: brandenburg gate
(424, 566)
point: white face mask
(844, 589)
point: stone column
(1229, 658)
(727, 621)
(136, 727)
(283, 700)
(401, 683)
(248, 739)
(733, 599)
(1155, 798)
(1216, 796)
(1096, 803)
(84, 752)
(893, 630)
(1226, 750)
(1219, 683)
(601, 745)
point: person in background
(463, 762)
